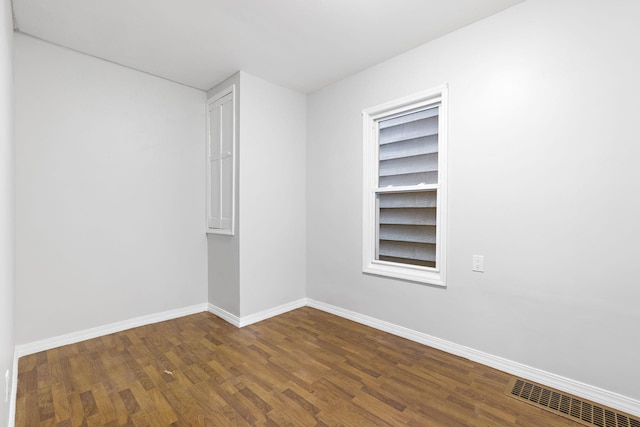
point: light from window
(404, 188)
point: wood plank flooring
(302, 368)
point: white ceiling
(301, 44)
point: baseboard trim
(240, 322)
(14, 391)
(272, 312)
(74, 337)
(224, 314)
(586, 391)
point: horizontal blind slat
(414, 164)
(408, 216)
(417, 129)
(413, 199)
(409, 147)
(409, 179)
(418, 251)
(408, 233)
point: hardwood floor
(302, 368)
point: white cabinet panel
(221, 165)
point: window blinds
(408, 157)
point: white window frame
(230, 230)
(371, 117)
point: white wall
(272, 195)
(263, 265)
(7, 253)
(110, 193)
(544, 183)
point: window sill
(414, 274)
(224, 232)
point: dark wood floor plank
(77, 417)
(60, 402)
(32, 415)
(302, 368)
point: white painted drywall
(110, 184)
(224, 251)
(272, 195)
(7, 205)
(544, 182)
(263, 265)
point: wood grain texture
(302, 368)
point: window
(221, 164)
(405, 188)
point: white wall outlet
(478, 263)
(7, 375)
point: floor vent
(568, 406)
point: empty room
(332, 213)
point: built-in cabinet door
(221, 166)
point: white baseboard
(74, 337)
(256, 317)
(586, 391)
(275, 311)
(14, 391)
(224, 314)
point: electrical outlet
(478, 263)
(7, 375)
